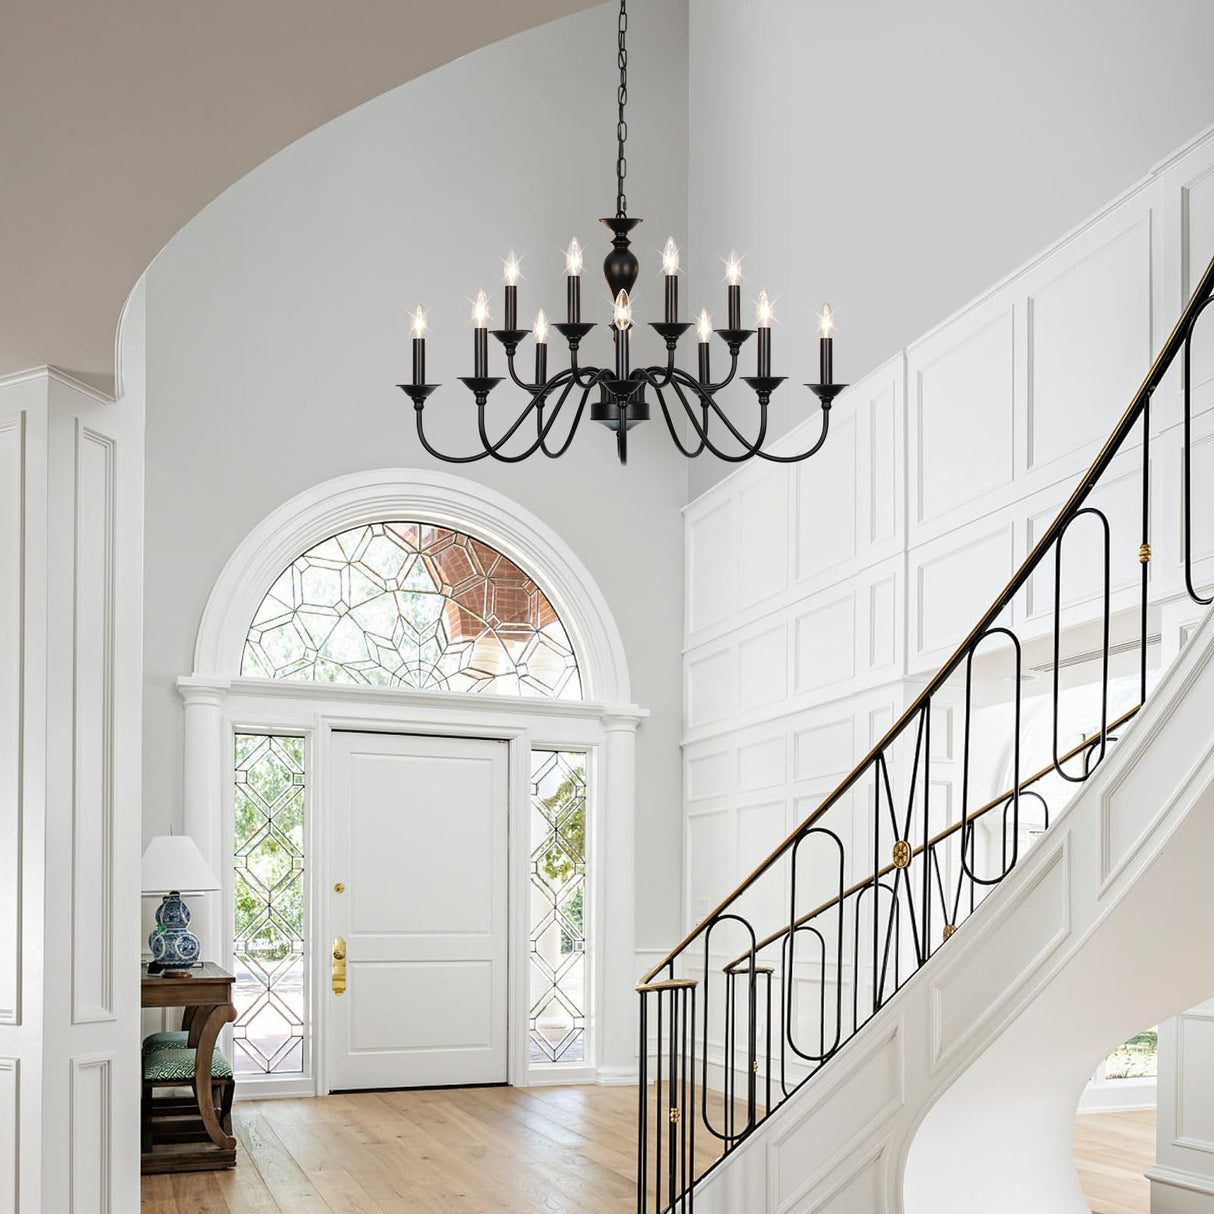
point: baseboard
(616, 1076)
(1178, 1178)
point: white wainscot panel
(712, 564)
(826, 520)
(1119, 498)
(824, 750)
(1090, 342)
(1201, 463)
(825, 643)
(860, 1190)
(826, 1128)
(763, 668)
(884, 471)
(759, 829)
(709, 775)
(963, 416)
(976, 983)
(709, 687)
(1195, 1094)
(12, 586)
(883, 622)
(93, 714)
(710, 860)
(763, 555)
(10, 1134)
(761, 764)
(90, 1134)
(956, 579)
(1198, 199)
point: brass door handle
(339, 966)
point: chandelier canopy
(620, 390)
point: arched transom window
(406, 604)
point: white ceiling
(119, 121)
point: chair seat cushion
(176, 1063)
(160, 1041)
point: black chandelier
(621, 389)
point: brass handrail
(1159, 368)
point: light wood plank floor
(507, 1150)
(1112, 1151)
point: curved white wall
(276, 334)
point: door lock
(340, 887)
(339, 966)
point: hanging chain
(621, 129)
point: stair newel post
(675, 1111)
(643, 1110)
(927, 831)
(1144, 550)
(876, 905)
(752, 1039)
(690, 1157)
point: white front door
(418, 838)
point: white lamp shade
(174, 862)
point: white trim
(407, 494)
(1178, 1178)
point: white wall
(277, 333)
(896, 159)
(819, 599)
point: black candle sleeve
(705, 377)
(419, 360)
(672, 299)
(511, 307)
(541, 362)
(735, 307)
(764, 351)
(573, 296)
(826, 360)
(480, 352)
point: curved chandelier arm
(689, 452)
(795, 459)
(494, 447)
(432, 450)
(748, 448)
(577, 418)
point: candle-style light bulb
(704, 325)
(541, 326)
(573, 282)
(622, 318)
(764, 311)
(417, 322)
(573, 258)
(670, 257)
(763, 316)
(480, 310)
(733, 292)
(826, 346)
(510, 270)
(541, 347)
(826, 321)
(704, 329)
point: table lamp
(172, 863)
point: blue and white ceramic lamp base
(174, 947)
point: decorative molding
(93, 693)
(12, 711)
(405, 494)
(90, 1135)
(10, 1135)
(1179, 1178)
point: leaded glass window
(269, 868)
(558, 906)
(406, 604)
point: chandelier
(621, 391)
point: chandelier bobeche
(620, 391)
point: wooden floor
(1112, 1151)
(508, 1150)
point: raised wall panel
(763, 668)
(763, 554)
(710, 867)
(709, 691)
(1030, 930)
(956, 582)
(712, 566)
(964, 419)
(759, 829)
(826, 503)
(761, 764)
(1198, 202)
(883, 622)
(89, 1135)
(1090, 344)
(883, 476)
(1194, 1092)
(812, 1143)
(12, 592)
(10, 1134)
(824, 750)
(1201, 461)
(92, 728)
(709, 775)
(825, 644)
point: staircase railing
(878, 878)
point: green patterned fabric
(160, 1041)
(177, 1063)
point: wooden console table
(206, 997)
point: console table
(206, 1000)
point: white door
(418, 838)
